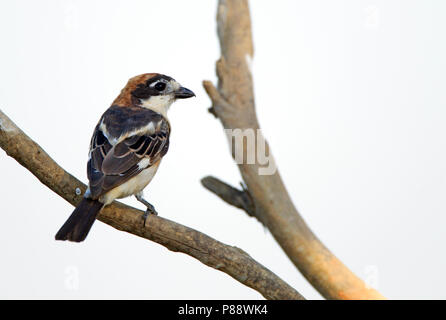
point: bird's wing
(111, 165)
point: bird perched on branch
(126, 149)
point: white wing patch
(149, 129)
(144, 163)
(104, 130)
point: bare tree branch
(238, 198)
(175, 237)
(233, 103)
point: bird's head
(152, 91)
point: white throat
(158, 104)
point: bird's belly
(132, 186)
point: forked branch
(233, 103)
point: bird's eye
(160, 86)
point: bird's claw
(150, 210)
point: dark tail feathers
(79, 223)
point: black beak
(184, 93)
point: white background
(350, 94)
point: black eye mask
(145, 91)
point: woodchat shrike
(126, 149)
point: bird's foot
(150, 208)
